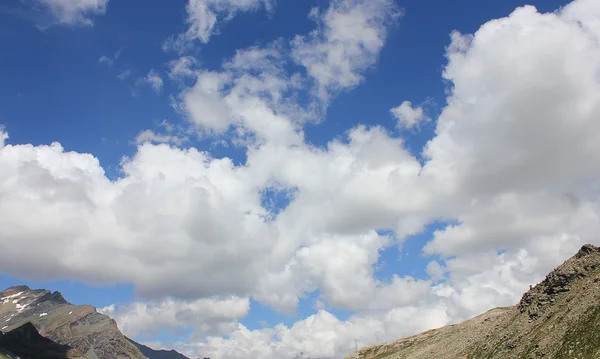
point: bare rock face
(80, 327)
(25, 342)
(560, 280)
(559, 319)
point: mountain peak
(586, 250)
(28, 313)
(15, 289)
(560, 280)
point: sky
(262, 178)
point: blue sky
(93, 76)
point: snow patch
(9, 297)
(21, 308)
(43, 314)
(71, 312)
(4, 327)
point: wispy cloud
(153, 79)
(108, 60)
(124, 75)
(46, 13)
(204, 16)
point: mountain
(26, 343)
(158, 354)
(559, 319)
(79, 326)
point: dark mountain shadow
(26, 342)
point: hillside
(559, 319)
(79, 326)
(25, 342)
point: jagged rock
(560, 281)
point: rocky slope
(78, 326)
(559, 319)
(25, 342)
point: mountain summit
(559, 318)
(80, 327)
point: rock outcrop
(557, 319)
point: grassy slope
(559, 319)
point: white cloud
(182, 67)
(340, 266)
(203, 17)
(151, 136)
(153, 79)
(131, 219)
(207, 316)
(320, 335)
(205, 105)
(3, 136)
(108, 60)
(408, 117)
(75, 12)
(124, 75)
(513, 165)
(251, 95)
(105, 60)
(166, 132)
(348, 40)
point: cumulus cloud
(205, 105)
(348, 40)
(319, 335)
(513, 168)
(408, 116)
(251, 95)
(112, 220)
(207, 316)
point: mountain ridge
(81, 327)
(559, 318)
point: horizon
(266, 178)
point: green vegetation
(582, 340)
(6, 355)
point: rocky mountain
(557, 319)
(158, 354)
(25, 342)
(81, 327)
